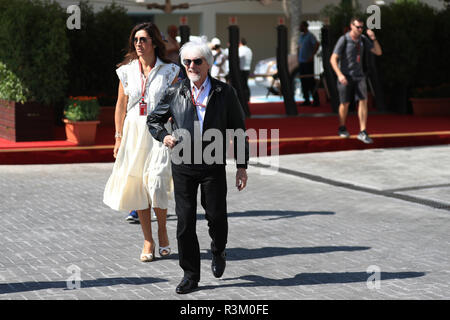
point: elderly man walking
(200, 105)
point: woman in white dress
(141, 176)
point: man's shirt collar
(206, 85)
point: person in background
(307, 49)
(351, 83)
(132, 216)
(245, 62)
(219, 59)
(172, 45)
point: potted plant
(80, 118)
(431, 100)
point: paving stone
(291, 235)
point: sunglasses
(187, 62)
(140, 40)
(358, 27)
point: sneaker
(364, 137)
(342, 132)
(132, 217)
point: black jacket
(223, 112)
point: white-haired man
(199, 104)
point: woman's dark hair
(154, 33)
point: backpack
(364, 62)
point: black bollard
(233, 62)
(283, 72)
(184, 37)
(330, 75)
(185, 32)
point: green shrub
(33, 46)
(11, 88)
(83, 52)
(113, 27)
(82, 109)
(442, 41)
(409, 50)
(339, 16)
(96, 49)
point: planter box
(81, 132)
(106, 116)
(431, 106)
(30, 121)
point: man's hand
(241, 178)
(170, 141)
(343, 79)
(376, 45)
(371, 34)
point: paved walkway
(370, 224)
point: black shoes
(186, 286)
(218, 264)
(308, 103)
(342, 132)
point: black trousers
(213, 188)
(308, 83)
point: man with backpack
(349, 50)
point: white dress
(141, 176)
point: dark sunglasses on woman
(140, 40)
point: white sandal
(148, 257)
(162, 249)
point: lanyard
(358, 50)
(143, 85)
(195, 102)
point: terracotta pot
(81, 132)
(431, 106)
